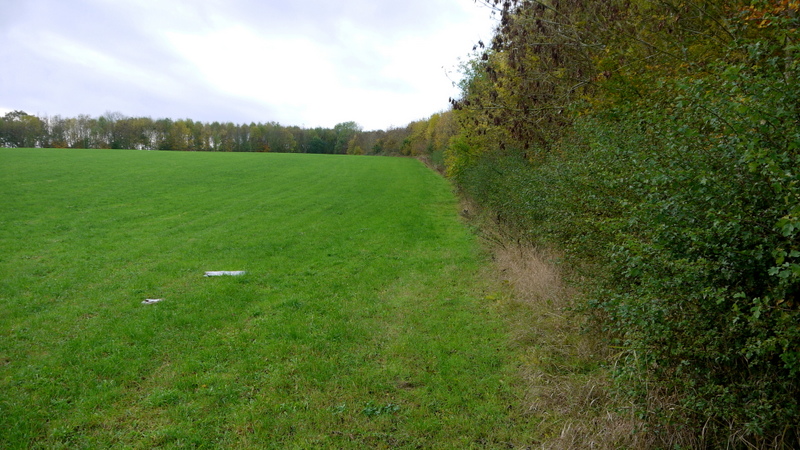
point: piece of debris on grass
(219, 273)
(150, 301)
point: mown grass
(361, 323)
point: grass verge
(563, 367)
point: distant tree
(256, 139)
(55, 135)
(225, 137)
(444, 129)
(416, 141)
(393, 141)
(117, 134)
(317, 145)
(344, 133)
(241, 138)
(166, 140)
(321, 140)
(99, 133)
(301, 138)
(279, 138)
(357, 144)
(200, 136)
(130, 133)
(180, 135)
(19, 129)
(79, 131)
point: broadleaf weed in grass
(372, 410)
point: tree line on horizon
(117, 131)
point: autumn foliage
(655, 142)
(658, 143)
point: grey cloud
(131, 34)
(319, 18)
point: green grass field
(362, 321)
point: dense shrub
(679, 185)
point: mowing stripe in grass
(361, 320)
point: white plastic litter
(150, 301)
(219, 273)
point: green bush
(708, 281)
(693, 196)
(685, 200)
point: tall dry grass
(563, 367)
(566, 383)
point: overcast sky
(310, 63)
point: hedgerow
(674, 177)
